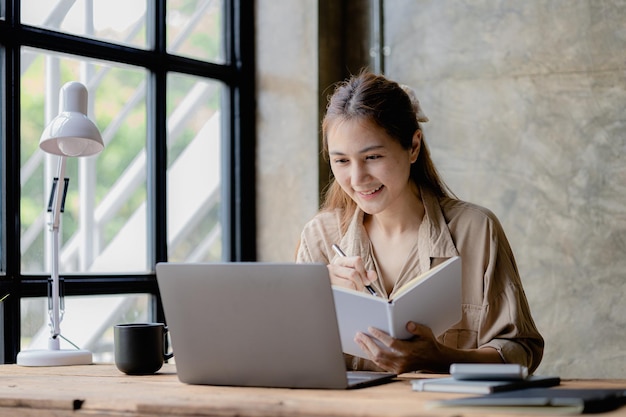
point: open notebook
(256, 324)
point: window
(169, 83)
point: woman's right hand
(350, 272)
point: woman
(394, 218)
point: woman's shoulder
(317, 235)
(455, 210)
(476, 230)
(325, 224)
(325, 217)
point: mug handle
(170, 355)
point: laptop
(256, 324)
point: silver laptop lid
(252, 324)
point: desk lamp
(70, 134)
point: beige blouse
(495, 309)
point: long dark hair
(386, 103)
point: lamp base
(62, 357)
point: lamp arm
(57, 196)
(54, 298)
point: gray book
(482, 387)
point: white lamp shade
(72, 133)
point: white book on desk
(432, 299)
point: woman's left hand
(421, 352)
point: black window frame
(239, 222)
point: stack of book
(509, 388)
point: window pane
(193, 195)
(195, 29)
(117, 21)
(3, 241)
(87, 323)
(103, 227)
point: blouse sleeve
(508, 323)
(504, 320)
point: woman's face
(370, 166)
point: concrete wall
(287, 123)
(527, 101)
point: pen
(339, 252)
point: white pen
(339, 252)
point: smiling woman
(388, 208)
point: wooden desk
(101, 390)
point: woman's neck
(406, 218)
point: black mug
(140, 347)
